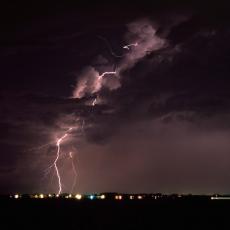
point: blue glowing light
(91, 197)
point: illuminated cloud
(88, 83)
(143, 33)
(141, 40)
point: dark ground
(104, 214)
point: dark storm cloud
(193, 73)
(168, 117)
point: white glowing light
(220, 198)
(139, 197)
(78, 196)
(118, 197)
(16, 196)
(131, 197)
(102, 196)
(41, 196)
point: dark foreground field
(104, 214)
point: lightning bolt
(110, 48)
(54, 164)
(130, 45)
(99, 79)
(94, 102)
(106, 73)
(83, 126)
(40, 147)
(58, 142)
(74, 170)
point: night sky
(160, 124)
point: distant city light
(118, 197)
(78, 196)
(41, 196)
(115, 196)
(91, 197)
(102, 196)
(220, 198)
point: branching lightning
(40, 147)
(90, 83)
(54, 164)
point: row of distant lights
(79, 196)
(102, 197)
(131, 197)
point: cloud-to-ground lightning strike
(74, 171)
(58, 143)
(94, 102)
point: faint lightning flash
(94, 101)
(58, 143)
(83, 126)
(109, 47)
(74, 170)
(130, 45)
(40, 147)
